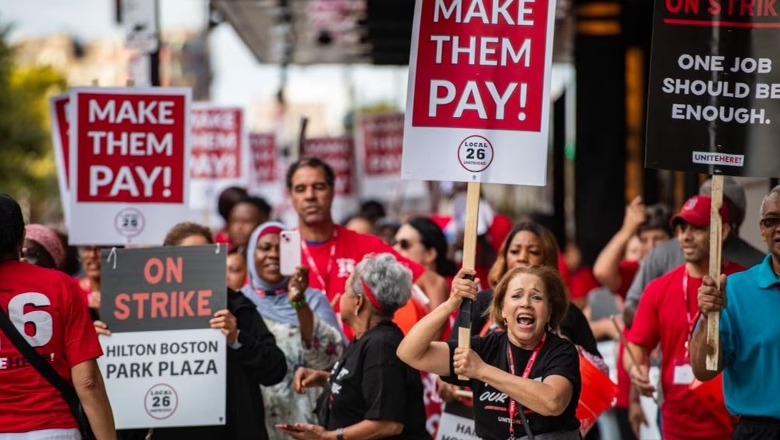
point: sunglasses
(770, 222)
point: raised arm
(419, 348)
(92, 393)
(711, 299)
(606, 269)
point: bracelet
(298, 304)
(340, 434)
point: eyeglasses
(770, 222)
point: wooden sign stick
(716, 238)
(469, 258)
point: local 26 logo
(129, 222)
(475, 153)
(161, 401)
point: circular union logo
(161, 401)
(129, 222)
(475, 153)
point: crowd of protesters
(359, 342)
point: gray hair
(389, 280)
(774, 192)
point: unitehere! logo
(475, 153)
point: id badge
(683, 372)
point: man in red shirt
(667, 314)
(47, 308)
(332, 251)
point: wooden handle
(716, 238)
(469, 259)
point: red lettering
(184, 303)
(204, 302)
(158, 303)
(140, 298)
(174, 269)
(156, 264)
(122, 312)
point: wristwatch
(340, 434)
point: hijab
(272, 301)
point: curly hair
(389, 281)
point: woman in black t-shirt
(369, 393)
(525, 379)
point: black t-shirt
(370, 382)
(574, 325)
(491, 406)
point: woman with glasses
(89, 257)
(421, 240)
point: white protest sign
(163, 365)
(379, 147)
(219, 154)
(129, 150)
(60, 128)
(479, 87)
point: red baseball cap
(696, 211)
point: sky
(239, 79)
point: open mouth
(525, 321)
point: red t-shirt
(57, 326)
(661, 317)
(627, 270)
(335, 259)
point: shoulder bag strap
(36, 360)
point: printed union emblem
(161, 401)
(475, 153)
(129, 222)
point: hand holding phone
(289, 252)
(287, 427)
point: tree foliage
(27, 166)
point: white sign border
(85, 229)
(430, 153)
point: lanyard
(526, 373)
(313, 264)
(691, 318)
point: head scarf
(49, 240)
(272, 300)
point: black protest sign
(714, 87)
(164, 288)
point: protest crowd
(360, 340)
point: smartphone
(289, 251)
(287, 427)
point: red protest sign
(60, 130)
(338, 153)
(60, 133)
(481, 64)
(262, 147)
(131, 146)
(217, 136)
(381, 140)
